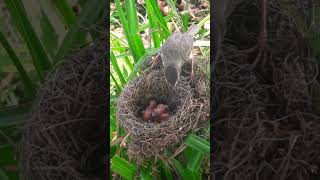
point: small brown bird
(164, 117)
(147, 113)
(175, 52)
(159, 110)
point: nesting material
(63, 138)
(266, 119)
(188, 106)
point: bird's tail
(193, 30)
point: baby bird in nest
(175, 52)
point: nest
(63, 138)
(188, 105)
(266, 125)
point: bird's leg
(155, 61)
(192, 70)
(191, 76)
(263, 35)
(262, 40)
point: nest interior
(266, 123)
(63, 138)
(188, 106)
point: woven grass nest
(62, 139)
(188, 106)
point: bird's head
(171, 73)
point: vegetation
(137, 32)
(30, 48)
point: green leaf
(75, 35)
(153, 26)
(117, 68)
(29, 87)
(125, 72)
(130, 28)
(166, 173)
(132, 16)
(141, 62)
(145, 174)
(184, 174)
(123, 167)
(66, 11)
(40, 58)
(49, 35)
(115, 81)
(7, 155)
(160, 19)
(3, 175)
(185, 20)
(198, 143)
(14, 115)
(195, 161)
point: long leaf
(153, 26)
(117, 68)
(87, 18)
(198, 143)
(40, 58)
(49, 35)
(14, 115)
(160, 19)
(180, 169)
(130, 31)
(123, 167)
(66, 11)
(195, 161)
(30, 89)
(3, 175)
(145, 174)
(166, 172)
(141, 62)
(115, 81)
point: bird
(175, 52)
(160, 109)
(148, 111)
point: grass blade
(74, 37)
(166, 173)
(198, 143)
(29, 87)
(153, 26)
(3, 175)
(49, 35)
(66, 11)
(132, 16)
(145, 174)
(141, 62)
(40, 59)
(130, 28)
(117, 68)
(117, 84)
(204, 20)
(123, 167)
(195, 161)
(159, 18)
(180, 169)
(185, 20)
(14, 115)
